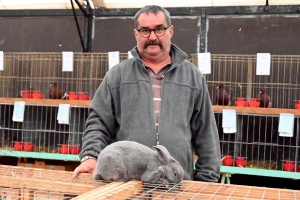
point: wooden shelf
(217, 109)
(49, 102)
(260, 172)
(257, 111)
(40, 155)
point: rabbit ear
(162, 154)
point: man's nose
(152, 35)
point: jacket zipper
(153, 113)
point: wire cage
(238, 74)
(263, 145)
(26, 74)
(39, 70)
(39, 184)
(257, 143)
(40, 131)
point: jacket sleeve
(205, 138)
(101, 123)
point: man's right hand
(87, 166)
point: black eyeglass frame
(153, 31)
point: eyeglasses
(158, 31)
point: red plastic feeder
(18, 146)
(240, 102)
(64, 149)
(72, 96)
(297, 105)
(240, 162)
(74, 149)
(289, 166)
(228, 160)
(26, 94)
(253, 103)
(82, 96)
(37, 95)
(28, 147)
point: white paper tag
(67, 61)
(263, 63)
(229, 130)
(129, 55)
(19, 109)
(286, 125)
(63, 113)
(113, 58)
(229, 121)
(1, 61)
(204, 63)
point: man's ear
(135, 33)
(171, 30)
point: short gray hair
(152, 9)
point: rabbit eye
(175, 174)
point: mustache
(153, 42)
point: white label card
(286, 125)
(129, 55)
(19, 109)
(229, 130)
(1, 61)
(63, 113)
(67, 61)
(263, 63)
(204, 63)
(113, 58)
(229, 121)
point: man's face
(153, 46)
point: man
(157, 97)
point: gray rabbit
(128, 160)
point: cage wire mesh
(257, 140)
(35, 72)
(259, 144)
(40, 184)
(238, 74)
(39, 70)
(40, 129)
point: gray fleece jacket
(122, 109)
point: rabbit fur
(128, 160)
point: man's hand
(87, 166)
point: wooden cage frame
(39, 184)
